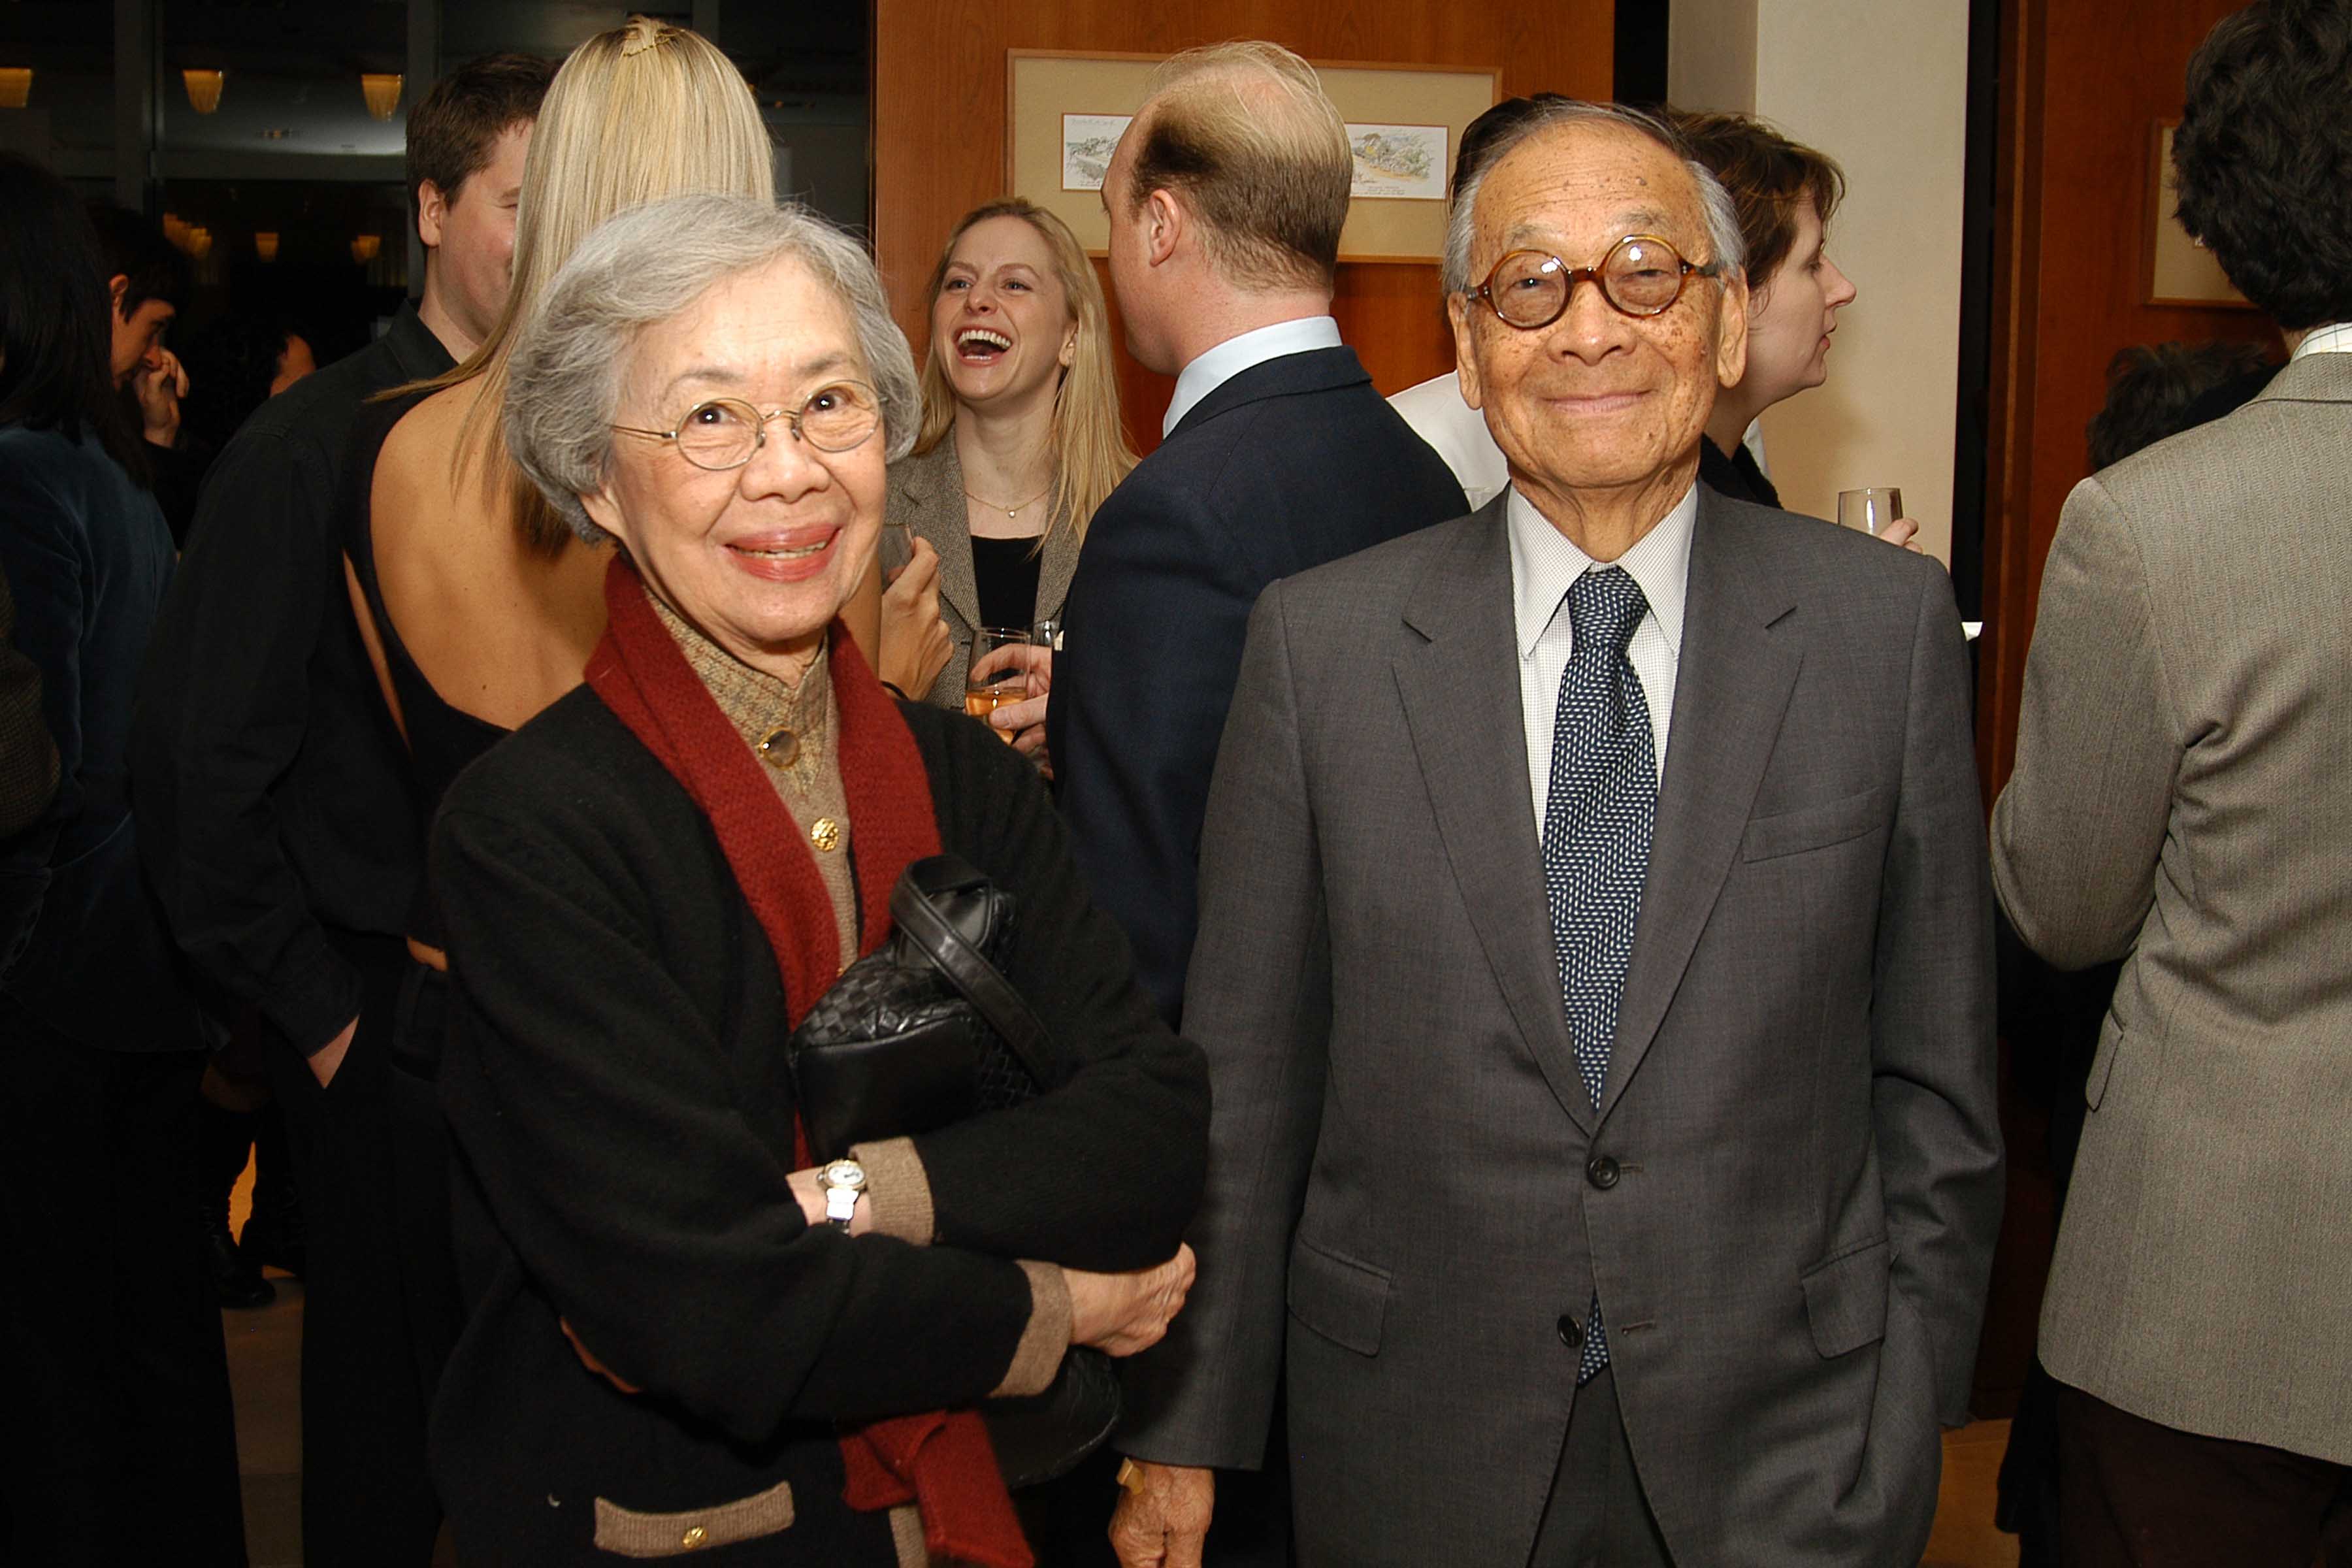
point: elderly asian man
(1594, 969)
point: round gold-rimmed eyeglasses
(1640, 276)
(724, 432)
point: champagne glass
(995, 677)
(1869, 509)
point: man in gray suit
(2182, 800)
(1595, 970)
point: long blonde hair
(1090, 450)
(643, 112)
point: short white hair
(643, 267)
(1715, 203)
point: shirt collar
(1545, 566)
(1235, 355)
(2333, 338)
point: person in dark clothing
(235, 366)
(283, 838)
(2050, 1017)
(148, 281)
(652, 882)
(1226, 199)
(117, 1444)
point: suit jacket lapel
(933, 486)
(1731, 687)
(1462, 703)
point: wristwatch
(842, 1182)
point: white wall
(1880, 86)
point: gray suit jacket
(927, 501)
(1407, 1193)
(2183, 793)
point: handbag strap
(969, 971)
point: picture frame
(2176, 270)
(1064, 110)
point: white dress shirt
(2333, 338)
(1235, 355)
(1544, 566)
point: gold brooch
(826, 835)
(780, 748)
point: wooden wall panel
(2082, 83)
(939, 126)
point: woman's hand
(1024, 722)
(160, 383)
(1120, 1314)
(915, 641)
(811, 1195)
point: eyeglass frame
(761, 421)
(1595, 273)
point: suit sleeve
(224, 705)
(1156, 618)
(1104, 1171)
(1933, 1104)
(594, 1104)
(2079, 829)
(1259, 1005)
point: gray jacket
(927, 501)
(1788, 1199)
(2183, 795)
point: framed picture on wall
(2179, 271)
(1064, 113)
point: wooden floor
(265, 1349)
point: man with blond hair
(1225, 198)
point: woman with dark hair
(119, 1443)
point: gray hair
(1715, 202)
(645, 266)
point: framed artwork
(2179, 271)
(1064, 113)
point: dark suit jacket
(1290, 463)
(1788, 1198)
(87, 555)
(615, 1082)
(273, 793)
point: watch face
(845, 1174)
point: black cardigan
(616, 1083)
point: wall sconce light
(200, 242)
(382, 90)
(15, 86)
(203, 90)
(366, 247)
(264, 245)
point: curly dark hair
(2264, 152)
(2154, 391)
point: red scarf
(941, 1462)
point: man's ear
(1731, 333)
(1165, 223)
(117, 287)
(432, 210)
(1465, 359)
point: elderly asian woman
(670, 1345)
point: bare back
(499, 629)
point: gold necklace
(1011, 513)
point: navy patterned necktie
(1598, 816)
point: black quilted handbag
(920, 1034)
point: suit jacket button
(1571, 1333)
(1602, 1172)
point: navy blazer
(1289, 464)
(88, 557)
